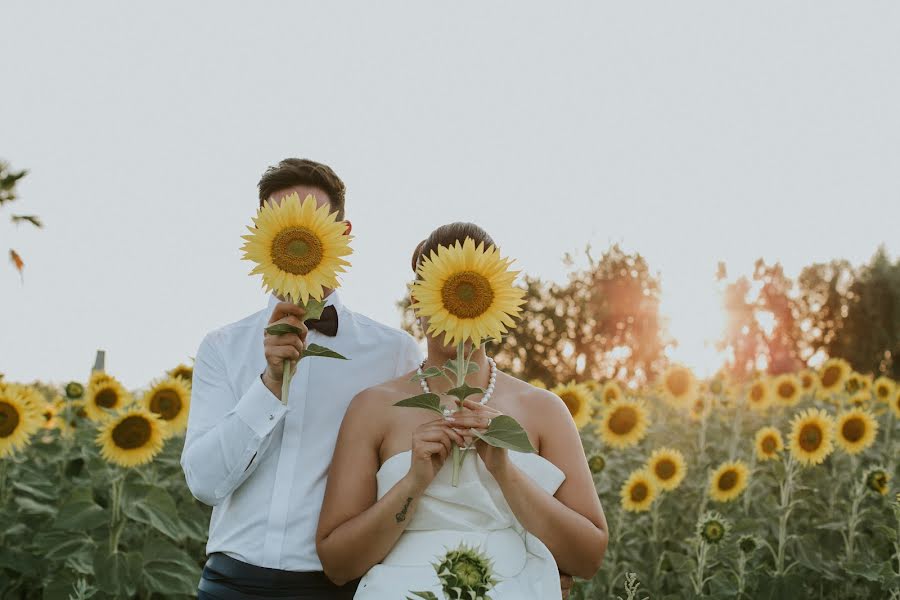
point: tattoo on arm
(401, 516)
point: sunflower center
(727, 480)
(166, 403)
(810, 437)
(9, 419)
(297, 250)
(831, 376)
(756, 393)
(610, 394)
(571, 402)
(715, 387)
(107, 398)
(853, 429)
(769, 445)
(714, 531)
(639, 492)
(467, 295)
(678, 383)
(882, 391)
(853, 385)
(786, 389)
(806, 381)
(467, 573)
(623, 420)
(665, 469)
(133, 432)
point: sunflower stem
(286, 380)
(462, 369)
(787, 486)
(853, 518)
(116, 523)
(702, 550)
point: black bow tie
(327, 324)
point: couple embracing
(338, 495)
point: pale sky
(691, 132)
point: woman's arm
(355, 531)
(571, 523)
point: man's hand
(565, 583)
(287, 346)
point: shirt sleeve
(409, 357)
(225, 431)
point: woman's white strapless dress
(475, 512)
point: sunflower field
(776, 487)
(92, 493)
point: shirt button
(271, 417)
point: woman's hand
(495, 459)
(432, 443)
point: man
(260, 464)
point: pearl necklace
(487, 393)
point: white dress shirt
(260, 464)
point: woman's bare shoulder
(384, 394)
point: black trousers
(225, 578)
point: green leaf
(168, 570)
(464, 391)
(56, 544)
(29, 505)
(317, 350)
(282, 328)
(152, 506)
(430, 402)
(425, 595)
(313, 309)
(80, 513)
(114, 573)
(505, 432)
(471, 367)
(427, 373)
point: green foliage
(794, 532)
(83, 528)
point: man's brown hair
(301, 171)
(447, 235)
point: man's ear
(349, 227)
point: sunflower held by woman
(466, 292)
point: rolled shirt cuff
(259, 408)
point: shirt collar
(333, 299)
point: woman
(390, 510)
